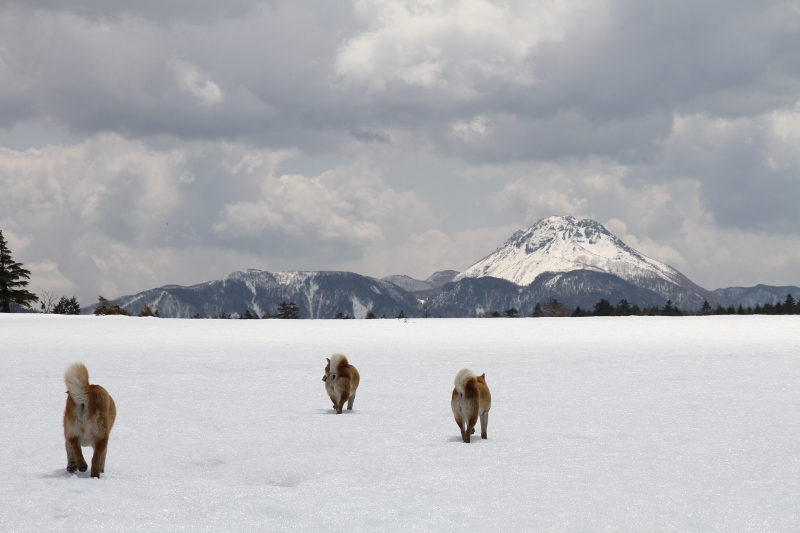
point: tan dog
(88, 419)
(471, 399)
(341, 381)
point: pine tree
(757, 310)
(740, 310)
(537, 311)
(511, 313)
(706, 309)
(789, 305)
(288, 311)
(623, 308)
(603, 308)
(401, 314)
(13, 280)
(371, 315)
(67, 306)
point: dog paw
(71, 468)
(83, 467)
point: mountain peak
(563, 244)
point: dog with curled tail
(88, 418)
(341, 381)
(471, 400)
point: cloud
(195, 82)
(364, 133)
(115, 215)
(343, 210)
(453, 46)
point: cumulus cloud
(111, 214)
(159, 142)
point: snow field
(623, 424)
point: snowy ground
(621, 424)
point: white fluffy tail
(464, 375)
(77, 380)
(336, 360)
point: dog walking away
(88, 419)
(341, 381)
(471, 400)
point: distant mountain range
(576, 262)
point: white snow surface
(620, 424)
(562, 244)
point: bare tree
(47, 301)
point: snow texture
(620, 424)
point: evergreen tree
(537, 311)
(706, 309)
(623, 308)
(603, 308)
(248, 315)
(757, 310)
(67, 306)
(401, 314)
(740, 310)
(731, 310)
(145, 310)
(288, 311)
(13, 280)
(342, 316)
(371, 315)
(635, 310)
(789, 305)
(511, 313)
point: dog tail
(337, 360)
(463, 376)
(77, 380)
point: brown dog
(341, 381)
(88, 419)
(471, 400)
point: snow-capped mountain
(318, 294)
(561, 244)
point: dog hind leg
(350, 402)
(78, 454)
(460, 423)
(345, 396)
(484, 424)
(72, 466)
(103, 461)
(471, 426)
(99, 451)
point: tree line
(553, 308)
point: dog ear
(328, 360)
(483, 375)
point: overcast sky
(148, 142)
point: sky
(152, 142)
